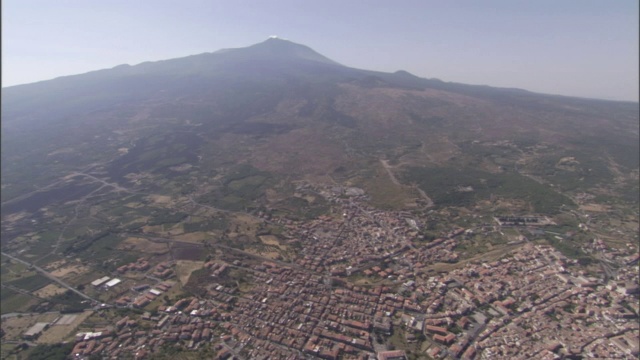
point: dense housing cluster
(363, 275)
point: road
(255, 256)
(12, 315)
(24, 196)
(52, 278)
(229, 211)
(232, 350)
(388, 168)
(113, 185)
(22, 291)
(609, 271)
(281, 263)
(80, 202)
(55, 183)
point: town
(366, 284)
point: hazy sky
(569, 47)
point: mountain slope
(284, 108)
(269, 191)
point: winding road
(388, 168)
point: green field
(31, 283)
(448, 186)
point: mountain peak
(274, 40)
(278, 48)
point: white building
(100, 281)
(113, 282)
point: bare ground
(14, 327)
(594, 207)
(160, 199)
(58, 333)
(184, 268)
(271, 240)
(68, 270)
(143, 245)
(194, 237)
(492, 255)
(264, 253)
(49, 291)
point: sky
(584, 48)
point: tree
(51, 352)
